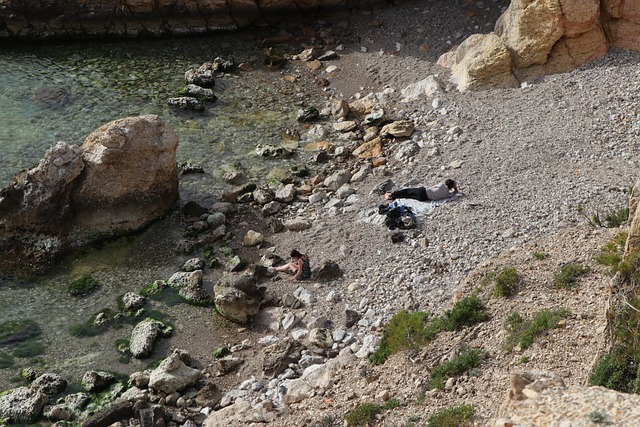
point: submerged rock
(123, 177)
(143, 337)
(186, 103)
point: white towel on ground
(420, 209)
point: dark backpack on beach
(398, 216)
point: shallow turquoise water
(64, 91)
(93, 84)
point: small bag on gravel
(398, 216)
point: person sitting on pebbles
(299, 266)
(425, 194)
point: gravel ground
(535, 163)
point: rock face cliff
(537, 37)
(134, 18)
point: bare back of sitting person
(299, 266)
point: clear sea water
(62, 92)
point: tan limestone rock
(633, 241)
(130, 175)
(370, 149)
(482, 60)
(529, 29)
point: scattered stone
(97, 380)
(173, 374)
(253, 238)
(398, 129)
(186, 103)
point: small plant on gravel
(404, 331)
(363, 415)
(524, 359)
(457, 366)
(597, 417)
(613, 219)
(506, 282)
(617, 217)
(611, 255)
(466, 312)
(523, 332)
(568, 275)
(540, 255)
(614, 371)
(411, 422)
(328, 421)
(457, 416)
(412, 331)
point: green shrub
(411, 331)
(506, 282)
(329, 421)
(569, 274)
(382, 353)
(457, 366)
(466, 312)
(523, 333)
(404, 331)
(613, 219)
(363, 415)
(617, 217)
(614, 371)
(82, 285)
(625, 328)
(540, 255)
(457, 416)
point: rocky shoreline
(535, 164)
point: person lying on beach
(299, 266)
(424, 194)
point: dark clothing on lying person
(418, 193)
(435, 192)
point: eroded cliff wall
(38, 19)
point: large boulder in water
(123, 177)
(130, 175)
(38, 199)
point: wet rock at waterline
(122, 178)
(186, 103)
(144, 336)
(174, 374)
(39, 199)
(237, 297)
(22, 405)
(130, 176)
